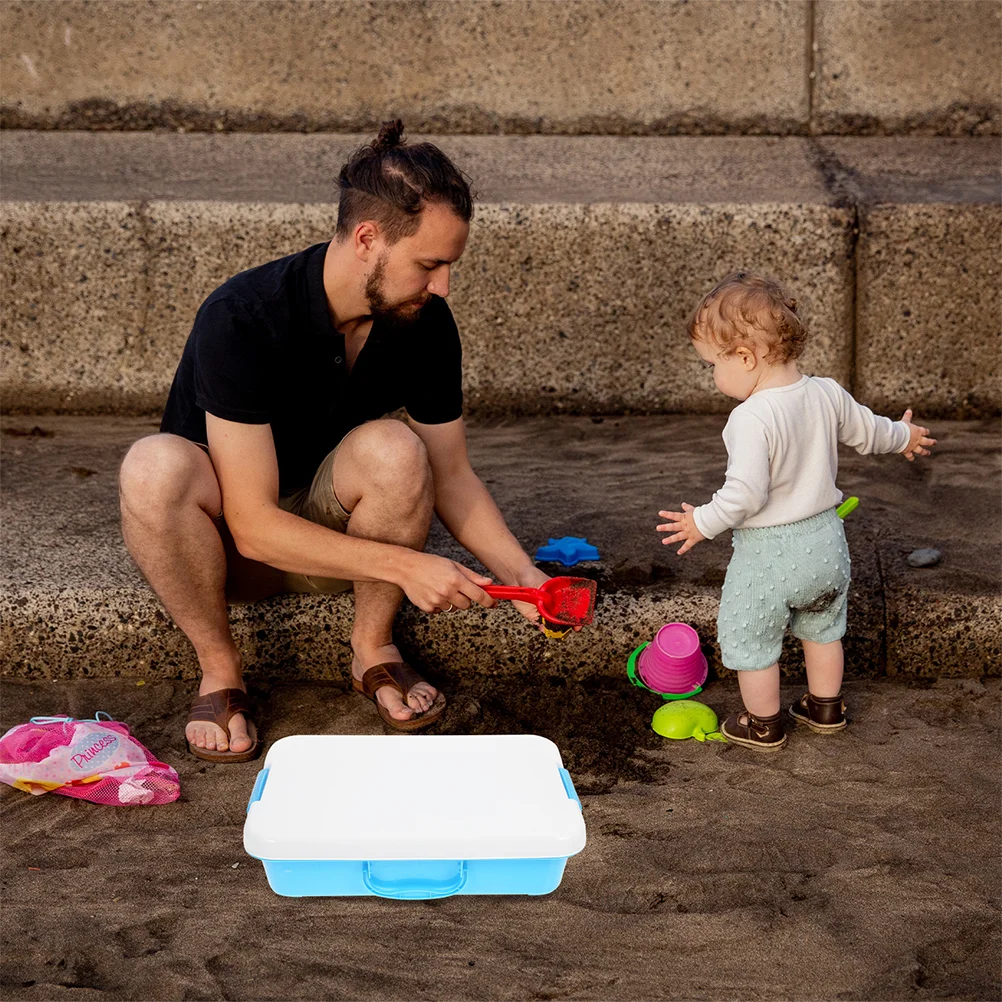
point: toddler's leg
(760, 690)
(824, 667)
(760, 726)
(821, 707)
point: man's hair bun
(390, 182)
(390, 135)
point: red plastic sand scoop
(566, 601)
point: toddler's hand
(683, 525)
(918, 438)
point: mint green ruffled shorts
(794, 575)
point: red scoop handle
(517, 594)
(560, 600)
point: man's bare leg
(382, 477)
(169, 497)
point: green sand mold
(687, 718)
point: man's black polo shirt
(263, 350)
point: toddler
(790, 563)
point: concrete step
(73, 605)
(575, 67)
(586, 257)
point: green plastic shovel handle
(847, 507)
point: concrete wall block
(918, 66)
(583, 308)
(73, 281)
(929, 302)
(560, 306)
(936, 629)
(195, 247)
(103, 633)
(578, 66)
(73, 604)
(913, 170)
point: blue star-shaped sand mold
(568, 550)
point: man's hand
(683, 525)
(532, 578)
(468, 511)
(919, 438)
(437, 584)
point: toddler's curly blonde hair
(748, 309)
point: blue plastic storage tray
(497, 815)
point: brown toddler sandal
(217, 708)
(403, 678)
(822, 714)
(763, 734)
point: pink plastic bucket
(674, 661)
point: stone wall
(625, 67)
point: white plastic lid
(369, 797)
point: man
(276, 469)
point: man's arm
(247, 469)
(468, 511)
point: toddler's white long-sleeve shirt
(782, 454)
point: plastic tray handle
(565, 778)
(414, 887)
(262, 778)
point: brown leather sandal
(403, 678)
(822, 714)
(759, 733)
(217, 708)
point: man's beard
(397, 315)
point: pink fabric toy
(96, 760)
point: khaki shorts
(249, 580)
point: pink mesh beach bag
(96, 760)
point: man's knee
(163, 471)
(392, 456)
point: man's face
(408, 273)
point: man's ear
(365, 235)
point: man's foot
(209, 736)
(419, 698)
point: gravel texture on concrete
(587, 66)
(283, 168)
(581, 66)
(572, 295)
(920, 67)
(928, 307)
(73, 605)
(585, 260)
(858, 866)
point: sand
(859, 866)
